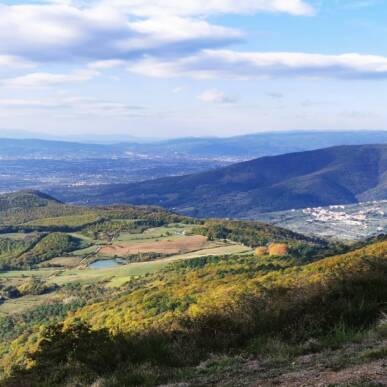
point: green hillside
(51, 246)
(26, 200)
(174, 319)
(127, 296)
(21, 209)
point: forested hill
(26, 200)
(338, 175)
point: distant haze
(348, 136)
(42, 164)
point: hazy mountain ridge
(44, 164)
(338, 175)
(216, 148)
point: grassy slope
(216, 284)
(208, 305)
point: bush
(35, 287)
(278, 249)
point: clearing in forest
(173, 246)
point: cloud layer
(48, 79)
(75, 104)
(211, 7)
(48, 33)
(159, 38)
(228, 64)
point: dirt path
(375, 372)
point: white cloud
(215, 96)
(58, 32)
(211, 7)
(9, 61)
(75, 104)
(106, 31)
(63, 33)
(106, 64)
(165, 29)
(228, 64)
(40, 79)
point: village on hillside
(349, 222)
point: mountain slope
(23, 207)
(193, 310)
(259, 144)
(339, 175)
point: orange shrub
(278, 249)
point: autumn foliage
(278, 249)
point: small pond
(106, 263)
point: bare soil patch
(178, 246)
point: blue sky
(172, 68)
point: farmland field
(110, 277)
(177, 246)
(171, 243)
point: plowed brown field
(178, 246)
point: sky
(178, 68)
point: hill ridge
(335, 175)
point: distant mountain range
(225, 149)
(337, 175)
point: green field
(166, 232)
(22, 304)
(15, 236)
